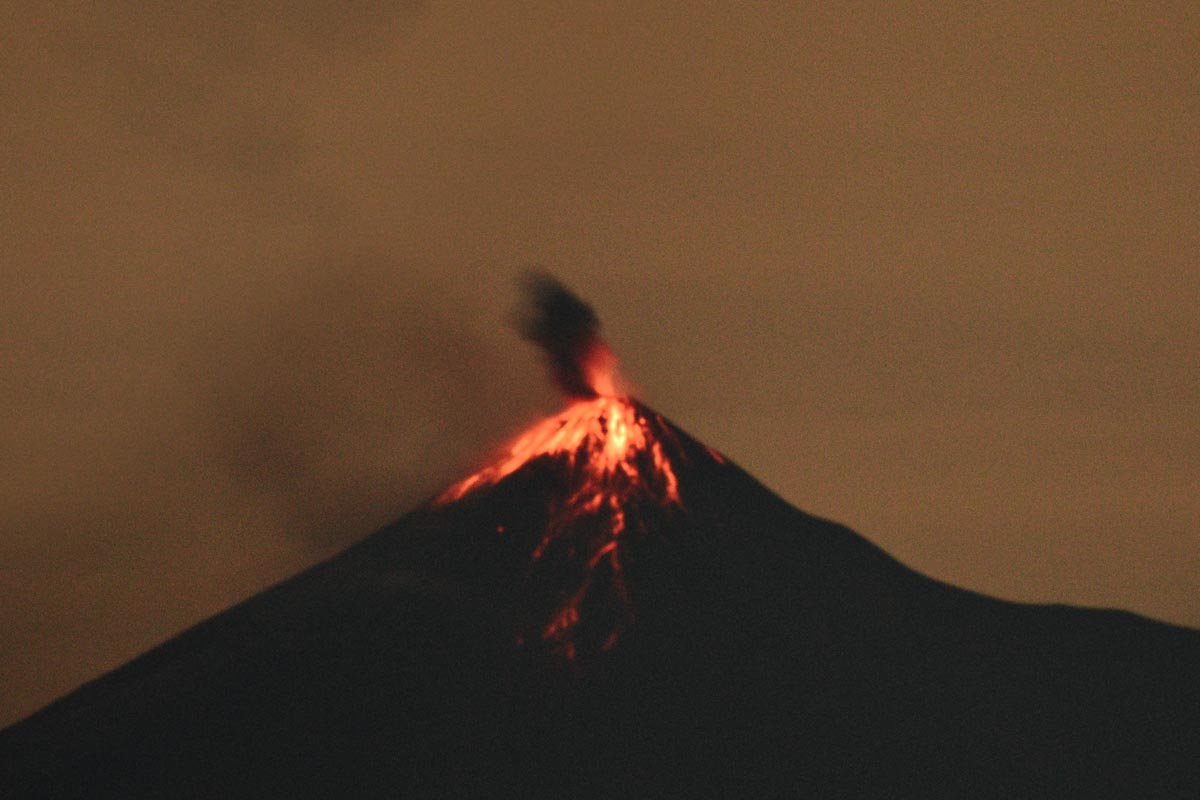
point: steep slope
(524, 633)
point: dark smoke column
(568, 331)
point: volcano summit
(612, 609)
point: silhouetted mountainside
(763, 653)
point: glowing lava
(611, 453)
(611, 480)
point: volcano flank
(609, 608)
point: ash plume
(568, 331)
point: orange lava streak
(605, 431)
(616, 465)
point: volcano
(612, 609)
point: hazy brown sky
(931, 273)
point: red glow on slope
(616, 465)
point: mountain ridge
(770, 653)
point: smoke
(355, 398)
(568, 331)
(209, 380)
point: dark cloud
(566, 329)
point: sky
(929, 272)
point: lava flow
(610, 451)
(615, 466)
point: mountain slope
(503, 639)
